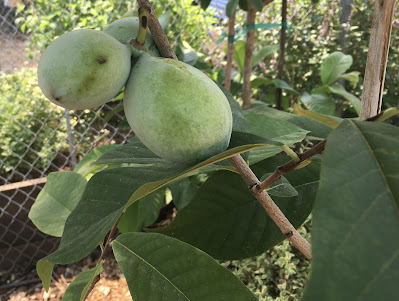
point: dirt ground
(13, 55)
(111, 287)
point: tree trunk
(230, 52)
(279, 94)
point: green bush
(33, 129)
(280, 274)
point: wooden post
(230, 51)
(374, 77)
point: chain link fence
(37, 137)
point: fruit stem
(144, 15)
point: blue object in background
(220, 8)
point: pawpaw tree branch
(249, 177)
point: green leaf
(239, 121)
(164, 20)
(281, 188)
(331, 121)
(225, 220)
(278, 83)
(277, 130)
(334, 66)
(259, 81)
(231, 7)
(53, 205)
(142, 213)
(356, 217)
(77, 290)
(158, 267)
(338, 89)
(243, 5)
(111, 191)
(86, 166)
(262, 53)
(319, 102)
(257, 4)
(316, 128)
(352, 77)
(388, 114)
(183, 191)
(239, 54)
(44, 270)
(205, 4)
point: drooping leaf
(259, 81)
(262, 53)
(231, 7)
(331, 121)
(53, 205)
(110, 191)
(205, 4)
(77, 290)
(352, 77)
(158, 267)
(340, 90)
(44, 270)
(243, 4)
(334, 66)
(142, 213)
(281, 187)
(356, 216)
(277, 130)
(278, 83)
(239, 54)
(316, 128)
(239, 121)
(183, 190)
(388, 114)
(319, 102)
(225, 220)
(257, 4)
(86, 166)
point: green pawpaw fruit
(83, 69)
(177, 111)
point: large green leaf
(160, 268)
(316, 128)
(205, 3)
(231, 7)
(275, 129)
(340, 90)
(239, 54)
(262, 53)
(356, 217)
(142, 213)
(278, 83)
(334, 66)
(110, 192)
(319, 102)
(53, 205)
(225, 220)
(86, 166)
(257, 4)
(77, 290)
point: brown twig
(230, 51)
(249, 50)
(271, 208)
(157, 32)
(263, 197)
(290, 165)
(103, 255)
(279, 92)
(377, 56)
